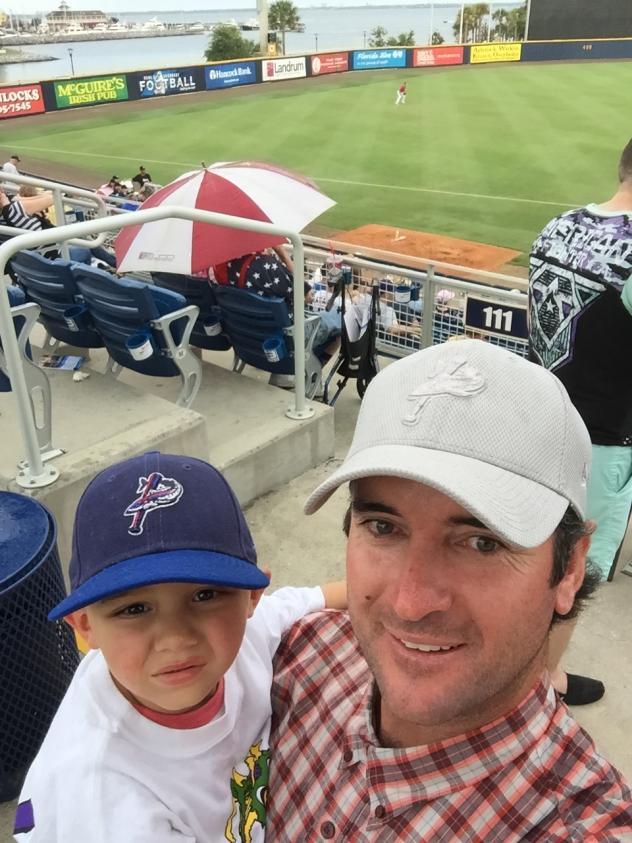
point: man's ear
(80, 622)
(573, 579)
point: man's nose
(421, 586)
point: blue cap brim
(201, 566)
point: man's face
(168, 645)
(452, 621)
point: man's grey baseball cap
(495, 433)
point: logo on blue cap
(153, 491)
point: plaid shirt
(532, 775)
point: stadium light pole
(72, 64)
(489, 25)
(527, 20)
(262, 9)
(461, 27)
(431, 22)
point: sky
(32, 7)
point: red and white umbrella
(242, 189)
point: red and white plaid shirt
(532, 775)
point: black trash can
(37, 657)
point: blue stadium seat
(144, 328)
(199, 292)
(50, 284)
(249, 320)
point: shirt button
(328, 830)
(348, 756)
(380, 811)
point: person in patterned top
(426, 713)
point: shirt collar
(438, 769)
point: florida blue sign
(365, 59)
(162, 83)
(228, 75)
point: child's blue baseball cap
(158, 518)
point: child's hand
(335, 594)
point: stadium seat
(143, 328)
(199, 292)
(50, 284)
(24, 315)
(250, 320)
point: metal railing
(34, 473)
(77, 197)
(436, 296)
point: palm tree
(284, 17)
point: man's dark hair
(625, 163)
(567, 533)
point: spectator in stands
(113, 188)
(266, 273)
(28, 212)
(11, 166)
(448, 319)
(427, 712)
(580, 327)
(141, 177)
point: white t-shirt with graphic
(106, 774)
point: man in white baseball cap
(428, 714)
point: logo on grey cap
(455, 377)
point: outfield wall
(78, 92)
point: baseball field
(487, 154)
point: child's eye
(132, 609)
(205, 594)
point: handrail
(401, 262)
(60, 190)
(35, 473)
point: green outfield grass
(550, 134)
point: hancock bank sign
(90, 91)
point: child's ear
(256, 593)
(80, 622)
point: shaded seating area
(144, 328)
(207, 332)
(262, 334)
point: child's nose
(174, 635)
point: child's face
(168, 645)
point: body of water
(326, 28)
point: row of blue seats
(149, 328)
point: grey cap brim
(520, 511)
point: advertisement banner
(275, 69)
(330, 63)
(229, 75)
(371, 59)
(21, 100)
(163, 83)
(481, 53)
(431, 56)
(72, 92)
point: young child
(163, 732)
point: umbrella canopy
(242, 189)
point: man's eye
(380, 528)
(484, 544)
(205, 594)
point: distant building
(64, 18)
